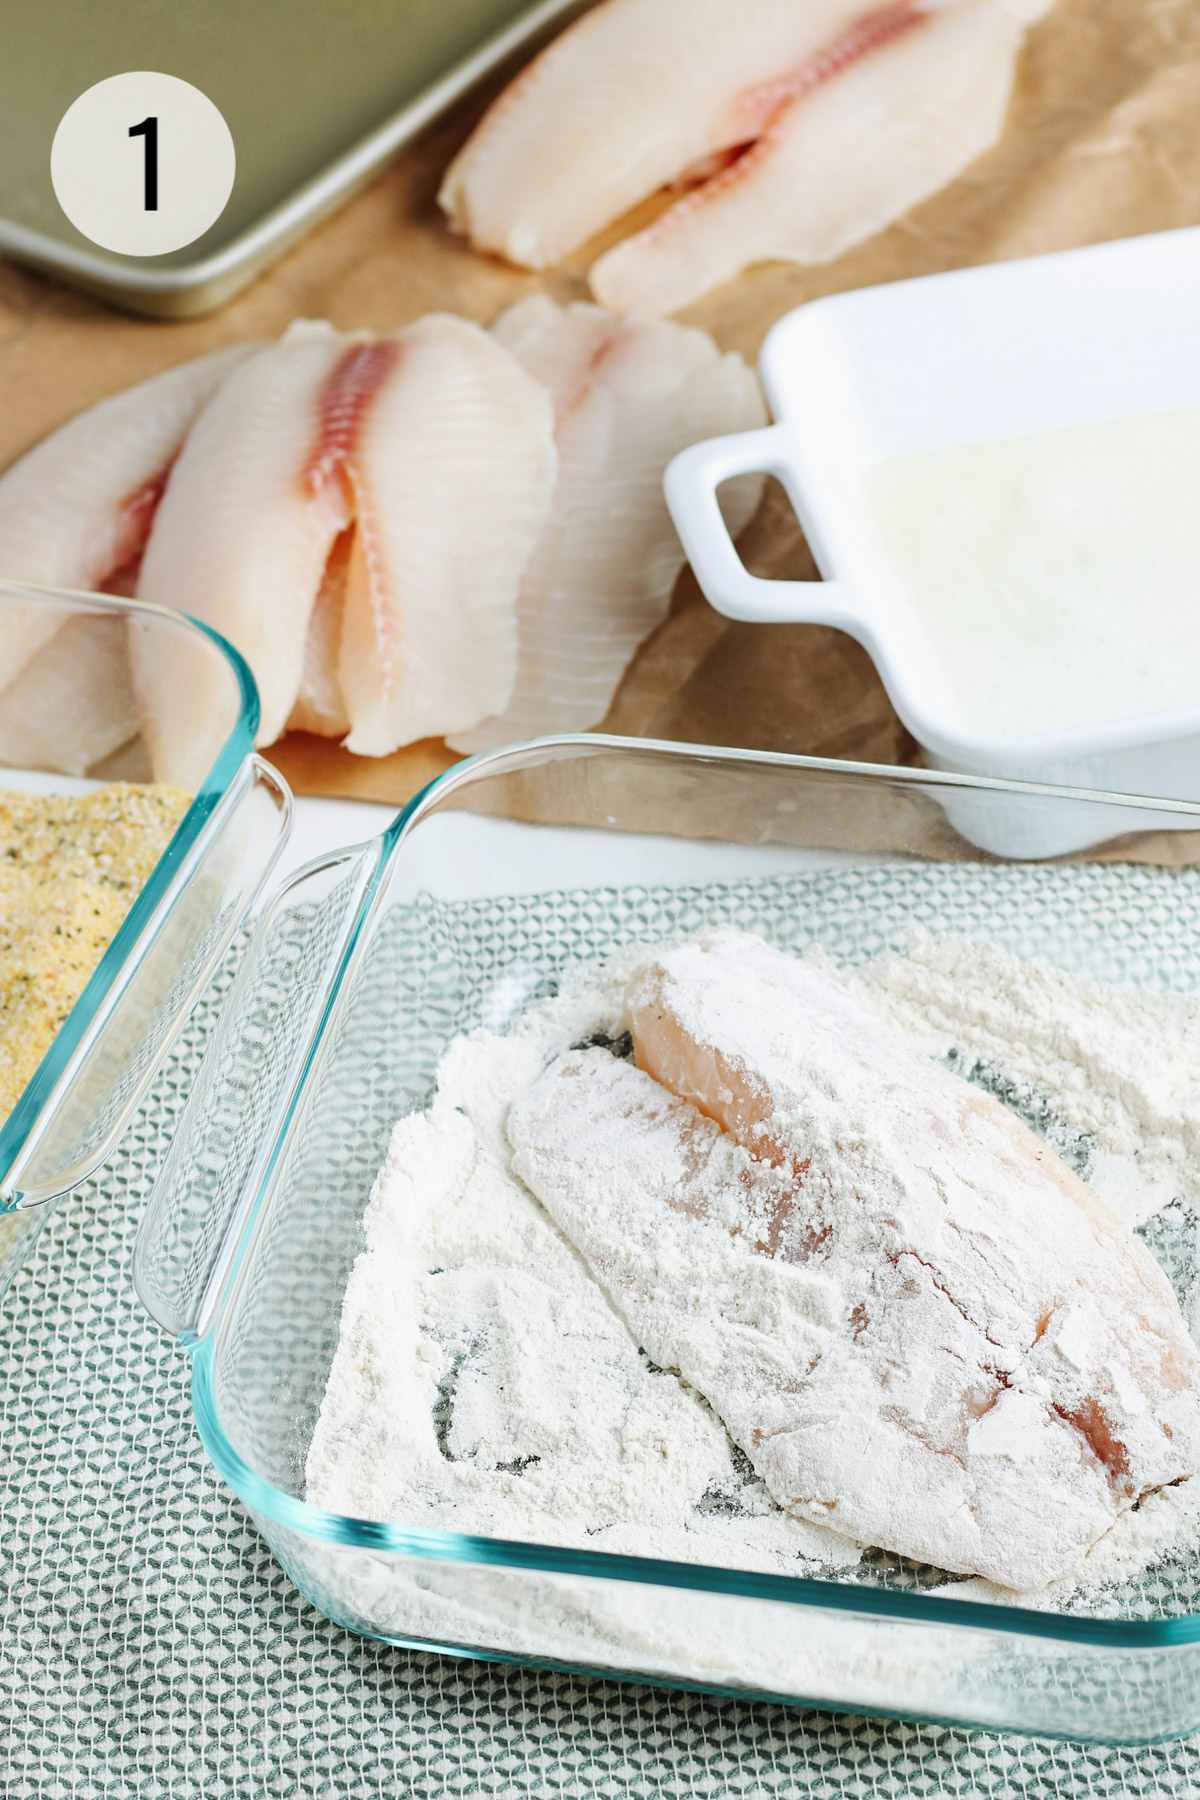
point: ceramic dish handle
(241, 1102)
(690, 485)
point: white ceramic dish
(966, 358)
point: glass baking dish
(69, 720)
(369, 962)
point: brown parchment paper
(1102, 141)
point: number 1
(148, 129)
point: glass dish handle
(243, 1094)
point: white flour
(1121, 1067)
(484, 1383)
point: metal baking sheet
(318, 96)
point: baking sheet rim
(205, 285)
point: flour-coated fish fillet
(451, 485)
(628, 394)
(847, 156)
(922, 1329)
(76, 509)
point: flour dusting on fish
(923, 1330)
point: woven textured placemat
(150, 1646)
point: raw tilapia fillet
(353, 514)
(628, 394)
(795, 128)
(320, 705)
(76, 510)
(855, 149)
(72, 704)
(241, 538)
(919, 1325)
(456, 472)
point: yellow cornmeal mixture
(71, 866)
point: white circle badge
(142, 163)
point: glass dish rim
(437, 1544)
(38, 1095)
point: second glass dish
(499, 876)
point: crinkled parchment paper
(1101, 142)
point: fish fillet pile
(919, 1325)
(778, 129)
(442, 532)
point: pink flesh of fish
(853, 143)
(425, 461)
(628, 99)
(76, 510)
(243, 533)
(641, 95)
(451, 484)
(627, 395)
